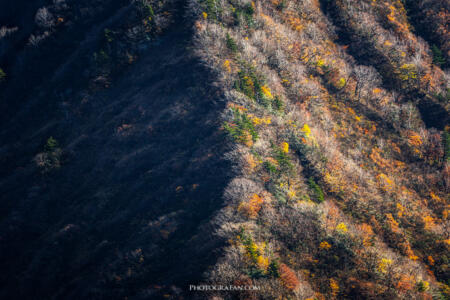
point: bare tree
(44, 18)
(5, 31)
(365, 77)
(35, 40)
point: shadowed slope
(144, 170)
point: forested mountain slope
(299, 146)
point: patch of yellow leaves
(383, 265)
(324, 245)
(306, 130)
(226, 65)
(266, 91)
(285, 147)
(341, 228)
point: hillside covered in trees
(298, 146)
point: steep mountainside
(302, 147)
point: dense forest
(301, 147)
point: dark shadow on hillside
(127, 214)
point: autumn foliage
(356, 138)
(251, 207)
(288, 277)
